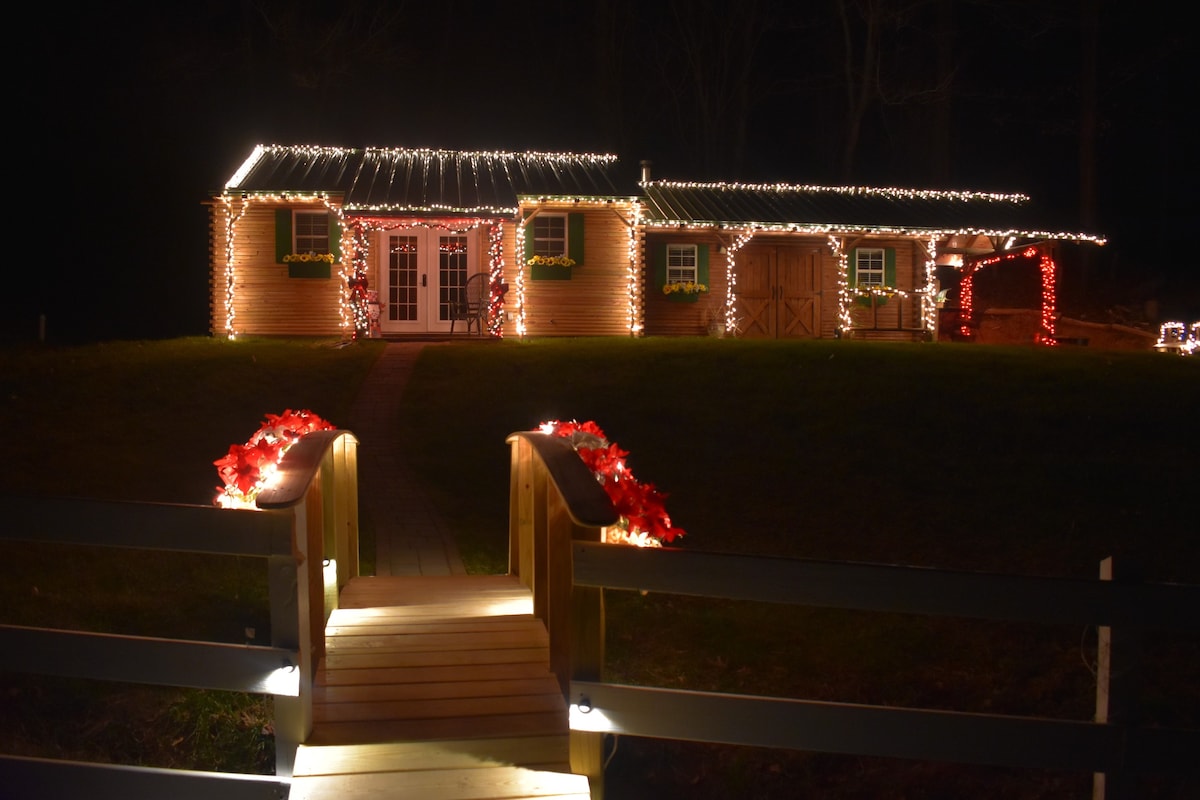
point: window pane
(681, 263)
(869, 266)
(312, 232)
(452, 273)
(549, 235)
(402, 278)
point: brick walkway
(410, 538)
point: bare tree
(323, 44)
(708, 60)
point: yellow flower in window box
(308, 258)
(684, 291)
(550, 261)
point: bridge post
(288, 585)
(587, 664)
(1118, 653)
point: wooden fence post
(587, 664)
(290, 613)
(1117, 661)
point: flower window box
(550, 268)
(685, 292)
(309, 265)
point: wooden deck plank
(374, 731)
(434, 673)
(467, 607)
(486, 783)
(528, 638)
(439, 708)
(486, 687)
(515, 655)
(537, 752)
(487, 594)
(409, 625)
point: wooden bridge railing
(556, 521)
(307, 533)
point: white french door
(421, 272)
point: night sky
(139, 115)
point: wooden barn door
(777, 293)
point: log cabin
(381, 242)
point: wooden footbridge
(436, 687)
(489, 687)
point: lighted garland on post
(249, 468)
(520, 237)
(634, 314)
(643, 519)
(495, 320)
(844, 320)
(740, 241)
(359, 284)
(929, 314)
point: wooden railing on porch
(900, 315)
(308, 536)
(558, 513)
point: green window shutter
(659, 262)
(575, 237)
(283, 233)
(702, 264)
(335, 238)
(889, 267)
(852, 269)
(528, 243)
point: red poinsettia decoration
(246, 467)
(644, 519)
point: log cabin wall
(895, 318)
(665, 316)
(266, 301)
(217, 219)
(594, 301)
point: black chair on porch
(470, 305)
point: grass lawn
(1021, 460)
(145, 421)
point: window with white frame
(550, 235)
(310, 229)
(868, 266)
(682, 264)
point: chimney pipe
(646, 170)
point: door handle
(424, 280)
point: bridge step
(445, 770)
(436, 687)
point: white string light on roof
(889, 192)
(432, 208)
(842, 229)
(392, 153)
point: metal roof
(845, 209)
(423, 181)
